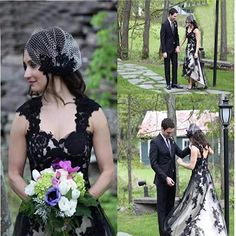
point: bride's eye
(32, 65)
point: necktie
(172, 26)
(168, 144)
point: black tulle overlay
(43, 148)
(192, 67)
(198, 212)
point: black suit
(163, 163)
(169, 42)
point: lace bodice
(191, 36)
(43, 148)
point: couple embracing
(198, 212)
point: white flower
(64, 174)
(64, 187)
(67, 207)
(71, 209)
(80, 173)
(72, 183)
(64, 204)
(29, 189)
(75, 194)
(35, 174)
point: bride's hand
(180, 161)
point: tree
(129, 157)
(124, 37)
(171, 113)
(6, 224)
(145, 54)
(164, 17)
(223, 40)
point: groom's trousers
(165, 202)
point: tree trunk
(6, 225)
(125, 31)
(171, 113)
(164, 17)
(165, 10)
(145, 53)
(129, 157)
(223, 40)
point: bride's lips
(32, 82)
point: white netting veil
(192, 129)
(55, 50)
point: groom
(170, 47)
(162, 157)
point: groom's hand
(164, 54)
(170, 181)
(177, 50)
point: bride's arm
(103, 151)
(193, 159)
(17, 155)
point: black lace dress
(192, 67)
(43, 148)
(198, 212)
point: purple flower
(55, 164)
(55, 181)
(66, 165)
(52, 197)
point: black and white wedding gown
(192, 66)
(43, 148)
(198, 212)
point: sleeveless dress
(192, 67)
(43, 148)
(198, 212)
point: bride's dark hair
(191, 19)
(198, 138)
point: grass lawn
(146, 225)
(205, 17)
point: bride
(199, 211)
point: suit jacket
(169, 39)
(162, 161)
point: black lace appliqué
(217, 223)
(63, 65)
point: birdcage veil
(192, 129)
(55, 50)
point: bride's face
(36, 79)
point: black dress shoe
(176, 86)
(168, 87)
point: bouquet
(57, 198)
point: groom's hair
(167, 123)
(172, 11)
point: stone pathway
(147, 79)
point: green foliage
(102, 68)
(205, 16)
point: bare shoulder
(194, 149)
(20, 124)
(98, 119)
(196, 31)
